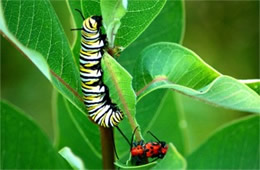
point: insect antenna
(123, 135)
(114, 146)
(132, 139)
(154, 136)
(76, 29)
(80, 14)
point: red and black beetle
(141, 151)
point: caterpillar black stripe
(96, 93)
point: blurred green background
(225, 34)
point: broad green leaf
(119, 82)
(78, 133)
(112, 12)
(33, 27)
(24, 145)
(235, 146)
(172, 160)
(167, 26)
(74, 161)
(138, 17)
(168, 65)
(140, 167)
(90, 7)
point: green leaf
(119, 82)
(235, 146)
(138, 17)
(140, 167)
(90, 7)
(36, 31)
(112, 12)
(74, 161)
(172, 160)
(78, 133)
(171, 19)
(201, 119)
(168, 65)
(24, 145)
(253, 84)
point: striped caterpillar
(96, 94)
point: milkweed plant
(145, 68)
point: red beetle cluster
(149, 149)
(141, 151)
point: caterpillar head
(93, 22)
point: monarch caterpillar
(96, 94)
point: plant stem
(107, 143)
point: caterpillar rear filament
(96, 94)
